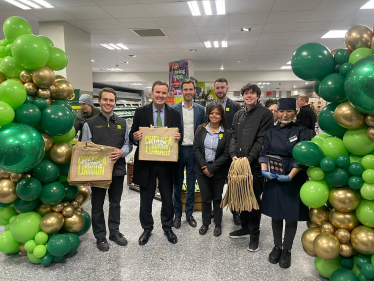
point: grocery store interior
(129, 44)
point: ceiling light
(216, 44)
(194, 8)
(289, 62)
(136, 84)
(19, 5)
(193, 50)
(335, 34)
(114, 46)
(207, 8)
(126, 62)
(132, 56)
(122, 46)
(208, 44)
(368, 5)
(224, 44)
(286, 67)
(306, 83)
(220, 6)
(222, 67)
(92, 60)
(267, 83)
(239, 61)
(31, 4)
(107, 46)
(246, 29)
(43, 3)
(259, 83)
(261, 86)
(148, 88)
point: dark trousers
(147, 193)
(186, 159)
(289, 233)
(251, 220)
(97, 212)
(211, 190)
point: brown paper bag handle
(89, 143)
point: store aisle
(195, 257)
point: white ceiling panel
(126, 11)
(7, 7)
(215, 37)
(361, 15)
(51, 14)
(188, 46)
(4, 14)
(245, 19)
(164, 45)
(328, 15)
(340, 4)
(169, 51)
(297, 42)
(269, 48)
(139, 23)
(101, 40)
(281, 27)
(174, 21)
(148, 51)
(185, 39)
(255, 28)
(138, 46)
(80, 24)
(245, 36)
(122, 32)
(313, 26)
(249, 6)
(275, 35)
(105, 24)
(174, 9)
(87, 12)
(180, 31)
(96, 33)
(237, 49)
(155, 1)
(294, 5)
(278, 42)
(71, 3)
(213, 30)
(349, 24)
(133, 40)
(211, 20)
(154, 40)
(307, 35)
(288, 17)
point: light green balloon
(40, 251)
(355, 158)
(327, 267)
(367, 191)
(41, 238)
(368, 176)
(14, 27)
(47, 41)
(10, 67)
(13, 93)
(357, 142)
(25, 226)
(365, 212)
(317, 140)
(7, 243)
(30, 245)
(314, 194)
(58, 59)
(32, 258)
(316, 173)
(359, 54)
(65, 138)
(333, 147)
(7, 212)
(368, 162)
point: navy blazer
(198, 114)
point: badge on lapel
(220, 136)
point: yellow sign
(227, 109)
(119, 127)
(91, 165)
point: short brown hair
(188, 81)
(304, 97)
(107, 90)
(159, 82)
(222, 80)
(251, 87)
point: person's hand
(206, 172)
(210, 175)
(177, 136)
(268, 175)
(235, 158)
(138, 135)
(284, 178)
(88, 184)
(116, 155)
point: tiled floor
(195, 257)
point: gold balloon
(15, 177)
(319, 215)
(346, 250)
(25, 76)
(52, 222)
(65, 203)
(43, 209)
(60, 152)
(370, 133)
(362, 240)
(48, 141)
(27, 175)
(22, 250)
(74, 223)
(307, 240)
(309, 224)
(333, 52)
(83, 194)
(344, 199)
(346, 221)
(64, 90)
(7, 191)
(358, 36)
(68, 211)
(52, 89)
(327, 227)
(60, 77)
(43, 93)
(74, 204)
(79, 210)
(349, 117)
(369, 120)
(343, 235)
(57, 208)
(4, 175)
(326, 246)
(31, 89)
(43, 77)
(49, 102)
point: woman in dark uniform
(281, 196)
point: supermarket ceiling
(278, 27)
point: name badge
(227, 109)
(119, 127)
(220, 136)
(292, 139)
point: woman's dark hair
(221, 111)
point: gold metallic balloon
(65, 203)
(83, 194)
(57, 208)
(362, 240)
(343, 235)
(31, 89)
(15, 177)
(358, 36)
(307, 240)
(68, 211)
(326, 246)
(60, 77)
(346, 221)
(74, 204)
(43, 77)
(4, 175)
(309, 224)
(319, 215)
(369, 119)
(48, 141)
(346, 250)
(43, 93)
(327, 227)
(79, 210)
(370, 133)
(25, 76)
(7, 191)
(43, 209)
(74, 223)
(22, 250)
(27, 175)
(344, 199)
(49, 102)
(52, 89)
(64, 90)
(349, 117)
(52, 222)
(60, 152)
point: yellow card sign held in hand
(158, 144)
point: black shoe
(143, 239)
(172, 238)
(191, 221)
(119, 239)
(177, 222)
(203, 229)
(217, 231)
(240, 233)
(274, 255)
(102, 244)
(212, 214)
(253, 244)
(236, 218)
(285, 259)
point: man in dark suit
(306, 116)
(192, 116)
(221, 87)
(146, 172)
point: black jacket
(248, 132)
(231, 108)
(81, 118)
(307, 118)
(219, 167)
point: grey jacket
(82, 118)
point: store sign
(178, 72)
(74, 100)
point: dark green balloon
(57, 120)
(2, 205)
(29, 99)
(63, 103)
(312, 61)
(307, 153)
(25, 206)
(355, 182)
(327, 164)
(337, 178)
(58, 259)
(59, 245)
(46, 171)
(29, 189)
(331, 88)
(74, 239)
(28, 114)
(343, 274)
(41, 103)
(52, 193)
(316, 87)
(341, 56)
(347, 262)
(39, 127)
(327, 122)
(47, 259)
(359, 85)
(70, 191)
(328, 204)
(87, 224)
(345, 68)
(337, 68)
(367, 269)
(362, 277)
(361, 260)
(356, 169)
(64, 169)
(342, 161)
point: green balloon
(336, 68)
(3, 222)
(30, 245)
(25, 206)
(357, 142)
(314, 194)
(87, 224)
(365, 212)
(21, 148)
(6, 113)
(316, 173)
(333, 147)
(70, 191)
(29, 99)
(63, 103)
(30, 51)
(57, 120)
(46, 171)
(75, 242)
(355, 158)
(13, 93)
(342, 161)
(64, 169)
(327, 164)
(337, 178)
(361, 277)
(4, 42)
(367, 269)
(316, 87)
(355, 182)
(341, 56)
(7, 242)
(29, 189)
(47, 41)
(368, 162)
(7, 212)
(62, 179)
(41, 238)
(59, 245)
(332, 88)
(359, 54)
(361, 260)
(66, 137)
(28, 114)
(367, 191)
(3, 53)
(32, 258)
(345, 68)
(8, 50)
(327, 267)
(324, 136)
(343, 274)
(327, 122)
(307, 153)
(368, 176)
(58, 259)
(58, 59)
(347, 262)
(52, 193)
(40, 251)
(312, 61)
(47, 259)
(10, 67)
(356, 169)
(14, 27)
(25, 226)
(317, 140)
(41, 103)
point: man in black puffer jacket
(248, 131)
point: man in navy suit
(192, 116)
